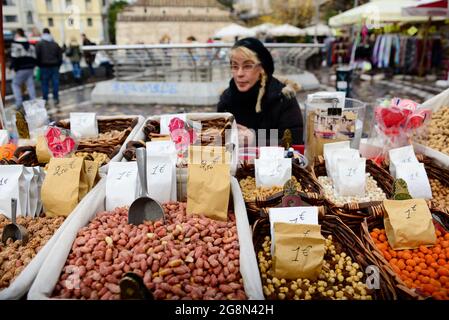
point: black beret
(259, 49)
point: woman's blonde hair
(251, 55)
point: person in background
(23, 61)
(49, 59)
(89, 57)
(74, 54)
(256, 98)
(102, 60)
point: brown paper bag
(42, 153)
(408, 224)
(298, 250)
(208, 189)
(91, 168)
(63, 186)
(215, 154)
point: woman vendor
(256, 98)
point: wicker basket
(314, 196)
(124, 125)
(351, 244)
(354, 213)
(376, 221)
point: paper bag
(121, 184)
(401, 155)
(215, 154)
(351, 179)
(64, 186)
(408, 224)
(329, 149)
(271, 153)
(301, 215)
(298, 251)
(12, 185)
(84, 124)
(272, 172)
(416, 177)
(91, 168)
(208, 189)
(42, 152)
(337, 156)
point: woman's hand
(247, 136)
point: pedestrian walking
(49, 59)
(89, 57)
(73, 52)
(23, 61)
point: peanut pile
(190, 257)
(438, 131)
(14, 256)
(340, 278)
(251, 192)
(440, 193)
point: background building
(154, 21)
(19, 14)
(71, 18)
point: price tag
(84, 124)
(298, 250)
(165, 121)
(296, 215)
(121, 184)
(416, 177)
(272, 172)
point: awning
(319, 30)
(234, 30)
(430, 8)
(375, 13)
(286, 30)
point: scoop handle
(142, 169)
(13, 210)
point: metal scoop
(14, 230)
(144, 208)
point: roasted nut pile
(190, 257)
(14, 256)
(251, 192)
(340, 278)
(372, 192)
(105, 142)
(440, 192)
(438, 131)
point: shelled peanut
(251, 192)
(340, 278)
(438, 131)
(190, 257)
(14, 256)
(440, 192)
(425, 268)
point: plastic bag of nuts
(217, 256)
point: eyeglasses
(246, 67)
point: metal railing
(194, 62)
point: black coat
(279, 110)
(49, 54)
